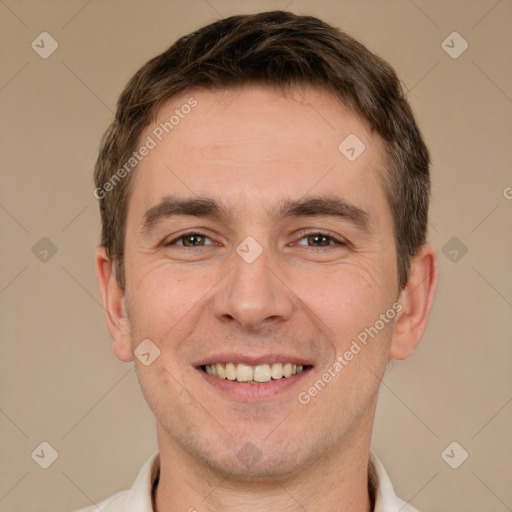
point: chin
(257, 460)
(256, 469)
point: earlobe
(114, 304)
(416, 300)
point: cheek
(159, 383)
(163, 301)
(348, 299)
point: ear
(416, 299)
(114, 305)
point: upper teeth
(245, 373)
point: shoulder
(382, 489)
(403, 506)
(115, 503)
(136, 499)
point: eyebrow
(311, 206)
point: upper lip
(251, 360)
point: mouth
(252, 379)
(248, 374)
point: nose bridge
(252, 294)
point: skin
(251, 148)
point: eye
(190, 239)
(314, 239)
(320, 239)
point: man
(264, 195)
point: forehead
(251, 145)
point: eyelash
(304, 235)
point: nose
(254, 294)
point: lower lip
(253, 392)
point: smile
(248, 374)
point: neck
(335, 483)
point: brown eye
(320, 240)
(191, 240)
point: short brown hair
(278, 49)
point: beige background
(60, 382)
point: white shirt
(139, 497)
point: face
(286, 260)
